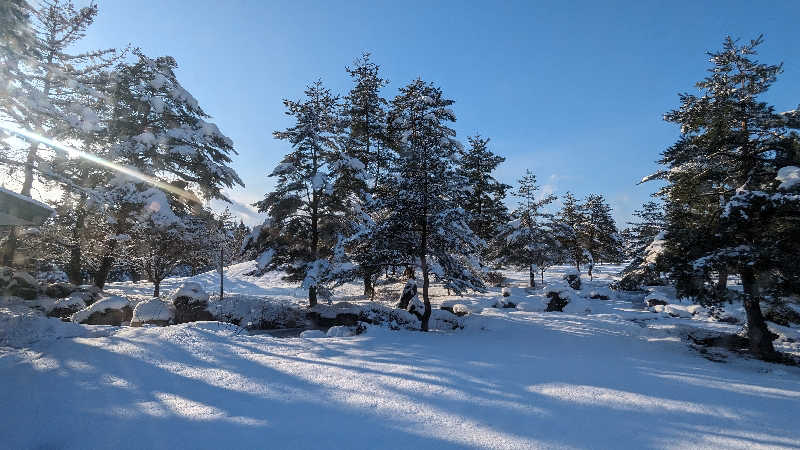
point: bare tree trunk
(757, 331)
(532, 276)
(369, 287)
(221, 274)
(425, 297)
(105, 265)
(75, 254)
(722, 281)
(157, 288)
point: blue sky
(573, 90)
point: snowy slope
(617, 378)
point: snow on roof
(113, 302)
(18, 209)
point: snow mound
(340, 331)
(73, 301)
(153, 309)
(103, 305)
(21, 326)
(789, 177)
(312, 334)
(192, 290)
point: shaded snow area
(607, 373)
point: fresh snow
(619, 376)
(153, 309)
(102, 305)
(789, 177)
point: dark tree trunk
(369, 287)
(757, 331)
(312, 296)
(425, 297)
(542, 276)
(221, 273)
(722, 282)
(156, 288)
(105, 265)
(74, 268)
(532, 276)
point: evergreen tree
(598, 232)
(161, 143)
(530, 238)
(483, 199)
(365, 141)
(423, 223)
(650, 222)
(306, 210)
(571, 216)
(721, 177)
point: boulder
(23, 285)
(655, 301)
(107, 311)
(339, 313)
(59, 290)
(573, 278)
(191, 303)
(340, 331)
(89, 294)
(153, 312)
(409, 292)
(460, 310)
(312, 334)
(557, 301)
(416, 307)
(506, 292)
(6, 274)
(64, 308)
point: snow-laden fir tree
(307, 210)
(159, 132)
(424, 221)
(643, 242)
(47, 89)
(365, 141)
(599, 232)
(531, 236)
(571, 216)
(724, 179)
(484, 197)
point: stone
(191, 303)
(409, 292)
(153, 312)
(573, 279)
(655, 301)
(59, 290)
(113, 310)
(557, 302)
(64, 308)
(23, 285)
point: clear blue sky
(573, 90)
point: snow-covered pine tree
(649, 223)
(599, 232)
(307, 207)
(49, 90)
(159, 130)
(571, 216)
(727, 160)
(484, 198)
(423, 221)
(365, 142)
(530, 240)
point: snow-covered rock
(460, 309)
(409, 292)
(23, 285)
(506, 292)
(191, 303)
(573, 278)
(312, 334)
(59, 290)
(340, 331)
(154, 312)
(108, 311)
(255, 312)
(66, 307)
(677, 311)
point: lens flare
(75, 153)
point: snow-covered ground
(617, 376)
